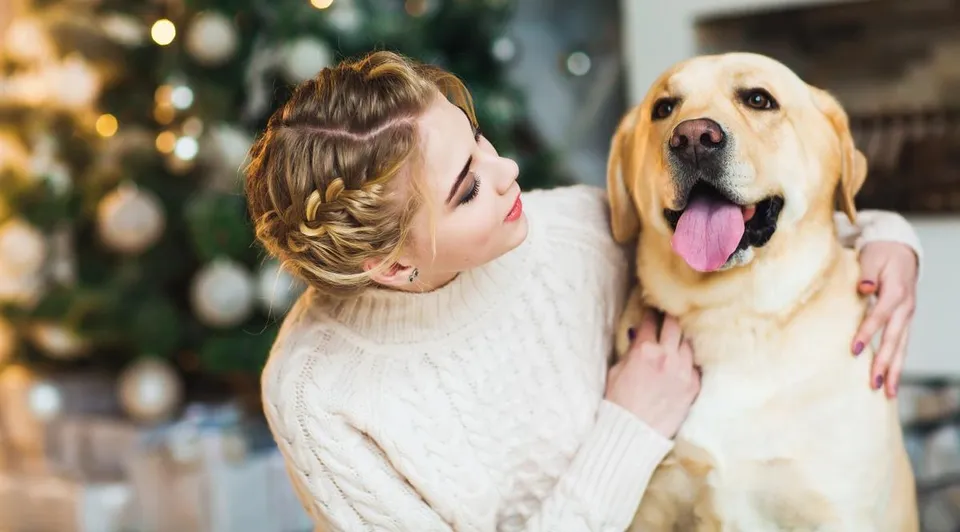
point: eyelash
(476, 179)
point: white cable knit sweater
(478, 406)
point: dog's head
(725, 152)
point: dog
(732, 165)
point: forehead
(737, 71)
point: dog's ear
(621, 174)
(853, 166)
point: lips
(515, 211)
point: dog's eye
(663, 108)
(758, 99)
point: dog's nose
(697, 138)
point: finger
(888, 345)
(670, 334)
(877, 317)
(685, 355)
(870, 268)
(648, 328)
(867, 287)
(896, 365)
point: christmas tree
(125, 124)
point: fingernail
(867, 282)
(631, 333)
(878, 382)
(857, 348)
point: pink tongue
(708, 232)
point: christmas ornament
(304, 58)
(26, 41)
(226, 155)
(149, 390)
(277, 289)
(73, 84)
(130, 219)
(23, 247)
(222, 293)
(22, 290)
(57, 341)
(212, 38)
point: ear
(389, 273)
(621, 177)
(853, 164)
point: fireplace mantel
(657, 34)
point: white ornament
(304, 58)
(212, 38)
(22, 290)
(277, 289)
(23, 248)
(130, 219)
(149, 390)
(222, 293)
(74, 84)
(57, 341)
(27, 42)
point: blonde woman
(447, 369)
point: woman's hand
(656, 379)
(889, 270)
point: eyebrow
(460, 177)
(466, 167)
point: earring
(413, 276)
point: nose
(507, 171)
(696, 139)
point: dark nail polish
(631, 333)
(878, 382)
(857, 348)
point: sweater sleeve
(878, 226)
(346, 483)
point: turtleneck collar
(396, 317)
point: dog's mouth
(711, 227)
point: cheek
(469, 237)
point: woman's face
(474, 202)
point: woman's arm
(877, 226)
(347, 483)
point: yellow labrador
(732, 165)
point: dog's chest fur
(785, 429)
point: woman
(448, 367)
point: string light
(163, 32)
(186, 148)
(166, 142)
(321, 4)
(106, 125)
